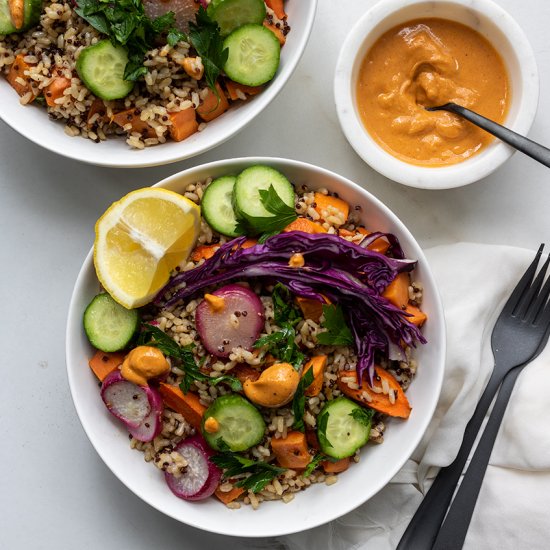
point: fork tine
(523, 284)
(542, 313)
(531, 301)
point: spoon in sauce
(519, 142)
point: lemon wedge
(140, 239)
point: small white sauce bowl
(491, 21)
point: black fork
(517, 336)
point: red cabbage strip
(395, 247)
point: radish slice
(201, 477)
(238, 323)
(151, 426)
(125, 400)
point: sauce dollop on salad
(425, 63)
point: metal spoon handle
(521, 143)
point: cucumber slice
(254, 55)
(32, 10)
(240, 424)
(101, 69)
(339, 433)
(217, 206)
(246, 193)
(108, 325)
(232, 14)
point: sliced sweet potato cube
(244, 372)
(213, 105)
(291, 451)
(304, 225)
(378, 401)
(277, 32)
(17, 78)
(418, 317)
(229, 496)
(187, 404)
(103, 363)
(184, 124)
(55, 89)
(131, 116)
(278, 7)
(335, 467)
(397, 292)
(327, 205)
(318, 363)
(97, 108)
(233, 89)
(311, 309)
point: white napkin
(513, 510)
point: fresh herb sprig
(267, 226)
(315, 461)
(338, 332)
(126, 24)
(281, 344)
(299, 399)
(363, 416)
(205, 37)
(153, 336)
(261, 473)
(322, 423)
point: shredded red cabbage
(347, 273)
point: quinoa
(51, 50)
(179, 323)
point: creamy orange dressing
(144, 363)
(275, 387)
(429, 62)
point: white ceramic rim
(207, 522)
(457, 175)
(191, 147)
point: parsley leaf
(299, 400)
(205, 37)
(261, 473)
(363, 416)
(283, 214)
(282, 345)
(126, 24)
(322, 422)
(284, 309)
(338, 333)
(315, 461)
(153, 336)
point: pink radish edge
(201, 477)
(218, 330)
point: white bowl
(379, 463)
(482, 15)
(33, 122)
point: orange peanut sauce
(424, 63)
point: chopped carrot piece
(397, 292)
(278, 8)
(229, 496)
(326, 205)
(304, 225)
(378, 401)
(277, 32)
(205, 251)
(335, 467)
(418, 317)
(291, 451)
(17, 71)
(244, 372)
(184, 124)
(213, 106)
(187, 404)
(103, 363)
(319, 364)
(55, 89)
(233, 89)
(97, 108)
(131, 117)
(311, 309)
(380, 245)
(249, 243)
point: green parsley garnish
(322, 423)
(261, 473)
(153, 336)
(267, 226)
(337, 333)
(363, 416)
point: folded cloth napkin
(513, 510)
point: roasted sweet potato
(326, 205)
(418, 317)
(236, 90)
(319, 364)
(397, 292)
(277, 32)
(184, 124)
(17, 78)
(378, 401)
(213, 105)
(244, 372)
(55, 89)
(103, 363)
(278, 7)
(291, 451)
(304, 225)
(130, 116)
(188, 404)
(229, 496)
(336, 467)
